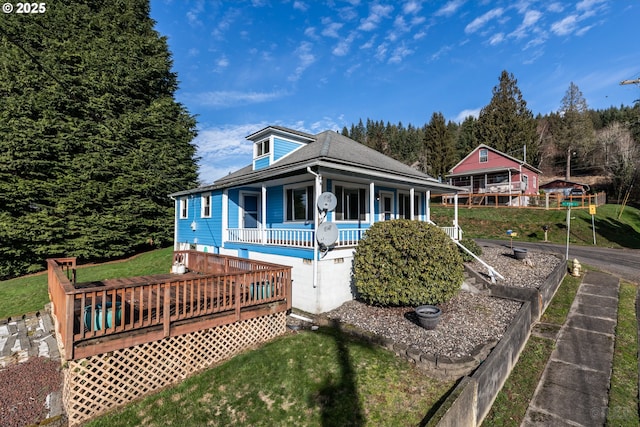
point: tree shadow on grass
(616, 232)
(338, 397)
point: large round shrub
(472, 246)
(404, 262)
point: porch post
(263, 216)
(372, 203)
(455, 214)
(225, 217)
(412, 192)
(427, 213)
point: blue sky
(313, 66)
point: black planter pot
(428, 316)
(519, 253)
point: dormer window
(262, 147)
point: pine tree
(91, 137)
(506, 123)
(439, 146)
(576, 136)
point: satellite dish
(327, 234)
(327, 201)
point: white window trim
(285, 202)
(408, 196)
(203, 197)
(183, 208)
(352, 186)
(259, 144)
(480, 151)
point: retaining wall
(488, 379)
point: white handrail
(492, 271)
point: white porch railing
(305, 238)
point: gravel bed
(25, 387)
(530, 273)
(468, 320)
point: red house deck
(97, 317)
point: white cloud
(305, 57)
(376, 14)
(482, 20)
(555, 7)
(450, 8)
(411, 7)
(565, 26)
(440, 52)
(343, 46)
(331, 28)
(496, 39)
(531, 17)
(381, 52)
(399, 54)
(224, 99)
(221, 64)
(588, 4)
(301, 6)
(193, 14)
(466, 113)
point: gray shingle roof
(333, 150)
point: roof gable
(475, 152)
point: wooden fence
(547, 201)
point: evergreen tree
(439, 146)
(506, 123)
(91, 137)
(465, 137)
(576, 136)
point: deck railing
(95, 317)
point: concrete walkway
(574, 388)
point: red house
(487, 170)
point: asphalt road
(622, 263)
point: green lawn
(311, 378)
(29, 294)
(493, 223)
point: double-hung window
(262, 147)
(352, 203)
(484, 155)
(299, 203)
(206, 205)
(184, 208)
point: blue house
(272, 209)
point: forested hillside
(91, 137)
(574, 142)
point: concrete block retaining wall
(488, 379)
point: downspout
(316, 223)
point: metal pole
(568, 229)
(593, 227)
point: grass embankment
(29, 294)
(623, 395)
(320, 378)
(493, 223)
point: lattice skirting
(99, 383)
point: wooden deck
(97, 317)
